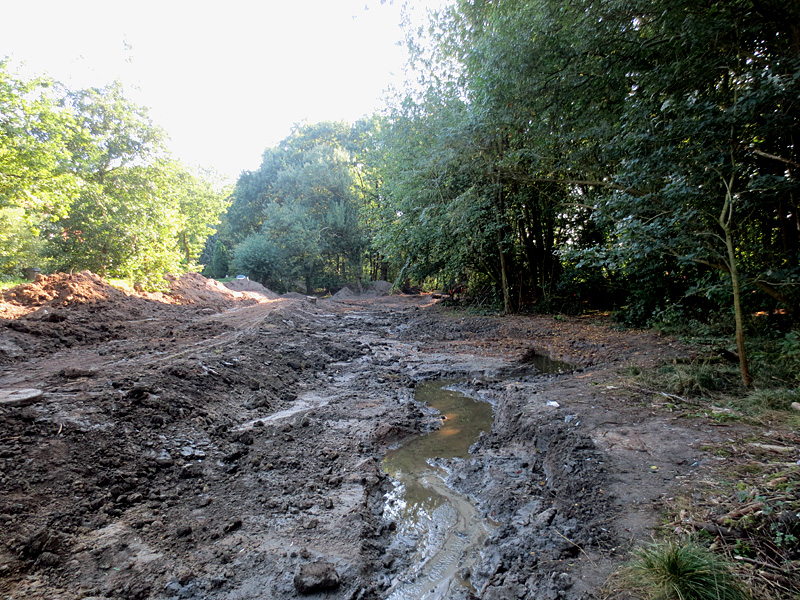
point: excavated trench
(441, 529)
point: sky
(225, 78)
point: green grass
(11, 282)
(681, 571)
(697, 379)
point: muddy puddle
(544, 365)
(440, 526)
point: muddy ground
(213, 444)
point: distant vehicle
(241, 277)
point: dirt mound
(370, 290)
(193, 288)
(60, 290)
(381, 288)
(63, 310)
(64, 290)
(247, 285)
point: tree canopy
(616, 152)
(297, 220)
(86, 183)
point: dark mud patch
(543, 481)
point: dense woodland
(555, 155)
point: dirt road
(213, 444)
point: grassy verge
(747, 513)
(672, 570)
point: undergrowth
(9, 282)
(746, 511)
(673, 570)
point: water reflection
(442, 525)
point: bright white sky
(225, 78)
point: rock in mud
(315, 577)
(19, 397)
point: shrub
(681, 571)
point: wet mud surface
(217, 444)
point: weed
(681, 571)
(757, 401)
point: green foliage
(650, 141)
(259, 258)
(302, 209)
(35, 159)
(681, 571)
(85, 183)
(20, 246)
(220, 261)
(698, 379)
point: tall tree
(302, 209)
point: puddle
(442, 526)
(546, 365)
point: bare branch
(774, 157)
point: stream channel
(442, 525)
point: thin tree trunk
(186, 248)
(503, 268)
(725, 221)
(504, 280)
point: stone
(315, 577)
(21, 397)
(543, 519)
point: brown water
(443, 526)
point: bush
(681, 571)
(259, 259)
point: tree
(642, 133)
(220, 261)
(36, 183)
(713, 91)
(85, 183)
(260, 258)
(201, 201)
(303, 205)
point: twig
(758, 563)
(777, 580)
(665, 394)
(738, 514)
(722, 532)
(589, 558)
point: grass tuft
(681, 571)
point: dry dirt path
(217, 449)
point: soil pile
(64, 310)
(247, 285)
(61, 290)
(375, 289)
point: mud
(441, 527)
(213, 443)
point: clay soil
(208, 443)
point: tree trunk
(185, 248)
(504, 280)
(747, 379)
(725, 221)
(507, 307)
